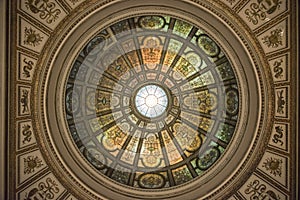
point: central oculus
(151, 101)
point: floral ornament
(207, 101)
(31, 163)
(31, 37)
(208, 45)
(208, 158)
(274, 165)
(232, 101)
(259, 10)
(151, 22)
(151, 181)
(275, 39)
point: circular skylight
(151, 101)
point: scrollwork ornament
(45, 190)
(44, 8)
(277, 138)
(258, 11)
(49, 188)
(278, 70)
(258, 191)
(26, 132)
(27, 67)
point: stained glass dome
(152, 102)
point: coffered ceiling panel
(168, 99)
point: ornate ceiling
(168, 99)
